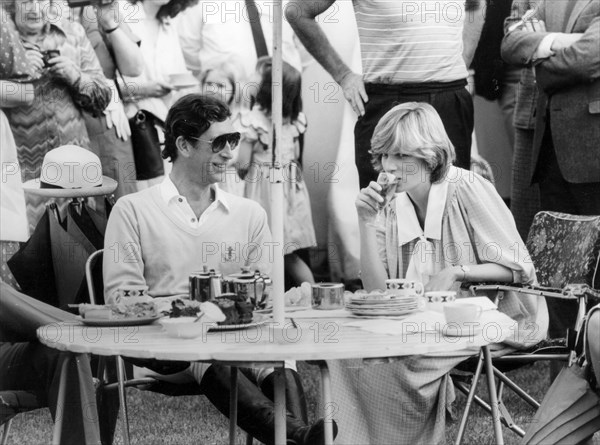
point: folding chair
(565, 250)
(145, 384)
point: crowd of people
(79, 76)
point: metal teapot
(254, 287)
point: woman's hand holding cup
(368, 202)
(374, 197)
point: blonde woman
(438, 229)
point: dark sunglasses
(218, 144)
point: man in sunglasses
(159, 236)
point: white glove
(115, 115)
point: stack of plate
(382, 305)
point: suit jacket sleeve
(518, 47)
(576, 64)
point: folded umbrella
(91, 225)
(32, 264)
(569, 413)
(70, 249)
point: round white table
(304, 338)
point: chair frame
(567, 354)
(123, 383)
(579, 292)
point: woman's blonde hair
(415, 129)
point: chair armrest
(569, 292)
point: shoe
(313, 435)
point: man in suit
(566, 57)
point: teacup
(328, 296)
(436, 300)
(401, 286)
(132, 291)
(462, 313)
(462, 319)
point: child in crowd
(255, 159)
(222, 79)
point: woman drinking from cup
(444, 226)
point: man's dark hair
(190, 117)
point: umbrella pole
(276, 177)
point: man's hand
(354, 91)
(535, 25)
(563, 40)
(108, 15)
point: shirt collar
(409, 227)
(169, 191)
(56, 25)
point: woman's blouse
(13, 61)
(467, 223)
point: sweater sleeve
(122, 262)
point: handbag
(144, 141)
(146, 145)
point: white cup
(462, 313)
(436, 300)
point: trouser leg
(295, 399)
(455, 108)
(256, 413)
(108, 403)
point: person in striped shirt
(411, 51)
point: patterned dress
(255, 126)
(406, 401)
(54, 118)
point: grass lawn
(157, 419)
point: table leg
(489, 369)
(60, 404)
(233, 404)
(280, 408)
(327, 402)
(122, 400)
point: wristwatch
(465, 270)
